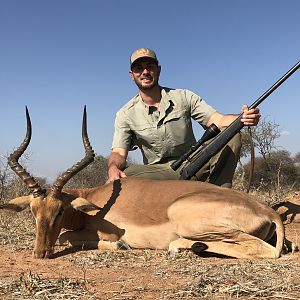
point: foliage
(297, 159)
(11, 185)
(277, 172)
(93, 175)
(263, 136)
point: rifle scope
(209, 133)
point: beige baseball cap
(142, 52)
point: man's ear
(18, 204)
(131, 75)
(85, 206)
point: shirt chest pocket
(142, 133)
(179, 127)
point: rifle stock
(204, 155)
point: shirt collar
(165, 102)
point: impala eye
(60, 212)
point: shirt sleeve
(122, 135)
(200, 110)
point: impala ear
(18, 204)
(85, 206)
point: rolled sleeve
(122, 135)
(200, 110)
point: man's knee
(236, 144)
(158, 171)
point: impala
(140, 213)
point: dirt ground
(142, 274)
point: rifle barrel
(275, 85)
(224, 137)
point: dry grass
(34, 286)
(230, 279)
(17, 229)
(227, 280)
(213, 279)
(259, 280)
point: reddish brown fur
(157, 214)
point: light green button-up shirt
(162, 135)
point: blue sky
(57, 56)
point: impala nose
(42, 253)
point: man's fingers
(122, 175)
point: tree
(263, 135)
(273, 169)
(11, 186)
(275, 172)
(297, 159)
(93, 175)
(5, 175)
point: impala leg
(80, 238)
(182, 243)
(245, 246)
(107, 245)
(118, 245)
(89, 239)
(242, 245)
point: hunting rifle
(195, 160)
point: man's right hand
(116, 162)
(114, 173)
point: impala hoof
(121, 245)
(198, 247)
(172, 253)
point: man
(158, 121)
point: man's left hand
(250, 116)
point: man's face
(145, 72)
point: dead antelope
(155, 214)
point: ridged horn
(29, 180)
(89, 157)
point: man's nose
(145, 70)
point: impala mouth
(43, 254)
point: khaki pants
(218, 170)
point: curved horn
(18, 169)
(89, 157)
